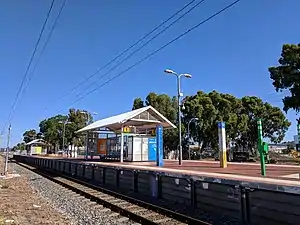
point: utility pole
(7, 148)
(1, 135)
(64, 133)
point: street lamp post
(87, 135)
(64, 132)
(191, 120)
(179, 94)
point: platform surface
(249, 172)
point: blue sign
(221, 125)
(160, 146)
(152, 149)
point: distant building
(296, 140)
(36, 147)
(278, 148)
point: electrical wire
(157, 50)
(28, 67)
(125, 51)
(46, 42)
(145, 44)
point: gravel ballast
(79, 209)
(21, 205)
(83, 211)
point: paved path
(276, 174)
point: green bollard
(261, 148)
(265, 151)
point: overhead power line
(46, 42)
(125, 51)
(157, 50)
(146, 43)
(28, 67)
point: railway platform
(237, 191)
(249, 172)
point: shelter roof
(36, 141)
(143, 118)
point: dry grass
(19, 204)
(284, 159)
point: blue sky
(230, 53)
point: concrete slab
(293, 176)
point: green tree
(167, 106)
(77, 120)
(286, 75)
(275, 123)
(39, 135)
(52, 129)
(138, 103)
(29, 135)
(19, 146)
(240, 116)
(201, 106)
(164, 104)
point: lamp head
(169, 71)
(187, 75)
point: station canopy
(142, 119)
(37, 141)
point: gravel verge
(75, 207)
(20, 204)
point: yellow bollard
(222, 144)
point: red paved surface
(236, 171)
(234, 168)
(246, 169)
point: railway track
(124, 208)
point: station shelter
(134, 132)
(36, 147)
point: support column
(222, 144)
(76, 153)
(159, 146)
(87, 145)
(122, 146)
(298, 133)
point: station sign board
(129, 129)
